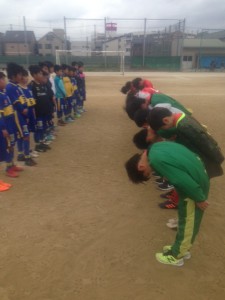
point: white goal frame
(89, 53)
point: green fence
(100, 63)
(165, 63)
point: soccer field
(74, 228)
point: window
(39, 46)
(187, 58)
(48, 46)
(56, 47)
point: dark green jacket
(183, 168)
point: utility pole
(26, 43)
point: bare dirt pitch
(75, 228)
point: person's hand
(202, 205)
(25, 111)
(5, 133)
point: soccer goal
(109, 61)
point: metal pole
(182, 46)
(25, 40)
(144, 42)
(105, 42)
(65, 34)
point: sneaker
(167, 248)
(77, 115)
(172, 225)
(168, 259)
(61, 123)
(30, 162)
(17, 168)
(156, 175)
(69, 120)
(4, 188)
(45, 146)
(169, 204)
(39, 148)
(166, 195)
(11, 173)
(34, 154)
(165, 186)
(5, 183)
(21, 157)
(159, 180)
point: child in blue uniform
(9, 130)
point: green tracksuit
(186, 172)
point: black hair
(49, 64)
(43, 64)
(133, 173)
(34, 69)
(140, 116)
(13, 69)
(156, 116)
(136, 83)
(57, 68)
(74, 63)
(2, 75)
(25, 73)
(64, 66)
(132, 106)
(80, 64)
(125, 89)
(140, 139)
(45, 73)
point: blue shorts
(12, 129)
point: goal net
(108, 61)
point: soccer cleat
(45, 146)
(167, 248)
(11, 173)
(30, 162)
(168, 204)
(159, 180)
(166, 195)
(17, 168)
(165, 186)
(4, 188)
(77, 115)
(5, 183)
(21, 157)
(34, 154)
(168, 259)
(39, 148)
(156, 175)
(61, 123)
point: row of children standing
(28, 107)
(180, 149)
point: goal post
(112, 61)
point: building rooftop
(18, 36)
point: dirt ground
(75, 228)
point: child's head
(14, 72)
(74, 64)
(126, 88)
(58, 70)
(140, 139)
(140, 117)
(45, 77)
(50, 66)
(133, 106)
(2, 81)
(65, 69)
(71, 71)
(36, 73)
(43, 65)
(138, 168)
(80, 65)
(160, 118)
(137, 83)
(24, 78)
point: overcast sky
(43, 15)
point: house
(201, 52)
(1, 43)
(119, 43)
(18, 42)
(52, 41)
